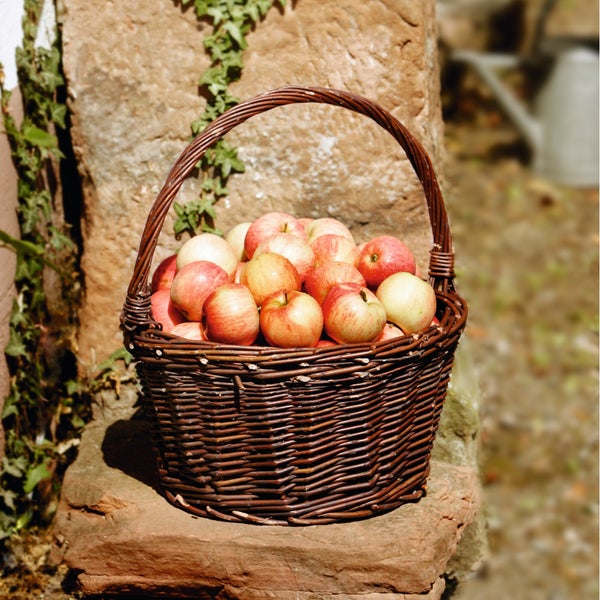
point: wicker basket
(303, 436)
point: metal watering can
(562, 129)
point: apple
(235, 238)
(305, 221)
(331, 246)
(389, 332)
(383, 255)
(323, 278)
(269, 224)
(268, 273)
(409, 301)
(291, 319)
(326, 343)
(193, 283)
(327, 226)
(211, 247)
(164, 311)
(164, 273)
(352, 313)
(237, 277)
(191, 330)
(231, 315)
(295, 249)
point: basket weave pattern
(303, 436)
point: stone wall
(132, 81)
(8, 223)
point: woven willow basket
(303, 436)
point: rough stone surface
(458, 442)
(119, 535)
(8, 223)
(132, 80)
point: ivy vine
(231, 21)
(47, 404)
(48, 401)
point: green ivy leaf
(15, 346)
(38, 137)
(34, 476)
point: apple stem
(363, 295)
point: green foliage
(46, 407)
(232, 21)
(48, 404)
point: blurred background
(520, 101)
(519, 91)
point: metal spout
(486, 66)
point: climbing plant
(48, 401)
(231, 21)
(47, 405)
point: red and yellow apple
(193, 283)
(268, 273)
(191, 330)
(295, 249)
(211, 247)
(164, 311)
(291, 319)
(231, 315)
(390, 331)
(409, 301)
(383, 255)
(323, 278)
(268, 225)
(331, 246)
(164, 273)
(352, 313)
(236, 236)
(327, 226)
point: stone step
(119, 535)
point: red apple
(191, 330)
(325, 343)
(389, 332)
(211, 247)
(409, 301)
(164, 273)
(330, 246)
(193, 283)
(164, 311)
(323, 278)
(352, 313)
(295, 249)
(268, 273)
(327, 226)
(291, 319)
(231, 315)
(383, 255)
(235, 238)
(269, 224)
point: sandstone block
(133, 86)
(8, 262)
(119, 535)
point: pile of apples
(291, 282)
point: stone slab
(120, 536)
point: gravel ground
(527, 262)
(527, 256)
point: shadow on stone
(127, 446)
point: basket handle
(441, 259)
